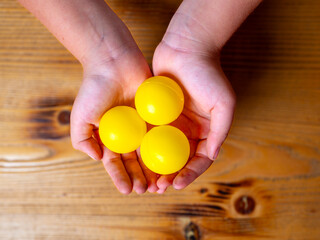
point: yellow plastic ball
(121, 129)
(159, 100)
(165, 149)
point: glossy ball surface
(121, 129)
(159, 100)
(165, 149)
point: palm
(207, 91)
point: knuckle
(229, 100)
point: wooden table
(264, 185)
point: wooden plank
(265, 184)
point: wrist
(187, 35)
(102, 50)
(204, 26)
(123, 64)
(105, 40)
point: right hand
(114, 67)
(108, 82)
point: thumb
(220, 123)
(82, 139)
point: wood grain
(264, 185)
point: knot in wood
(245, 205)
(192, 232)
(64, 117)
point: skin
(114, 67)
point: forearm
(206, 25)
(85, 27)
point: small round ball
(121, 129)
(159, 100)
(165, 149)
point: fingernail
(176, 183)
(216, 153)
(153, 188)
(92, 157)
(211, 152)
(161, 191)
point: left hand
(208, 111)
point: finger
(115, 168)
(135, 173)
(82, 138)
(193, 147)
(194, 168)
(96, 136)
(165, 181)
(161, 191)
(221, 120)
(151, 178)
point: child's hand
(208, 111)
(189, 53)
(114, 67)
(105, 85)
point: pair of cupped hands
(112, 77)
